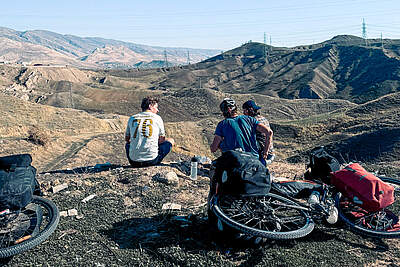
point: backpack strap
(350, 169)
(355, 171)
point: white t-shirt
(144, 130)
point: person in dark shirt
(239, 131)
(250, 108)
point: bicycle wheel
(28, 227)
(270, 216)
(384, 223)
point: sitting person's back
(146, 144)
(251, 109)
(238, 131)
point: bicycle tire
(383, 224)
(45, 226)
(276, 217)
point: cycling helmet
(227, 103)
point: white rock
(172, 178)
(86, 199)
(128, 201)
(72, 212)
(58, 188)
(64, 213)
(171, 206)
(25, 97)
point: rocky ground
(125, 224)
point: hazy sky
(217, 24)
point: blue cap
(250, 104)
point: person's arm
(160, 123)
(216, 142)
(128, 132)
(268, 137)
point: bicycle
(276, 216)
(23, 229)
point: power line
(221, 12)
(364, 32)
(270, 43)
(265, 48)
(165, 58)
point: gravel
(124, 225)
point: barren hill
(83, 114)
(368, 133)
(124, 224)
(341, 68)
(334, 69)
(45, 47)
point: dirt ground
(125, 225)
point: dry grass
(282, 169)
(38, 136)
(19, 116)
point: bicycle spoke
(383, 223)
(21, 231)
(269, 216)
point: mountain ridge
(80, 47)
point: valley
(338, 94)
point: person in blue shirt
(239, 131)
(235, 132)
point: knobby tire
(44, 232)
(365, 224)
(275, 217)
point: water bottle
(193, 168)
(314, 197)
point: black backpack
(321, 165)
(244, 174)
(18, 181)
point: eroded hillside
(50, 48)
(124, 222)
(298, 88)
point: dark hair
(252, 112)
(147, 101)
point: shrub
(38, 136)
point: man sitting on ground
(251, 109)
(146, 144)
